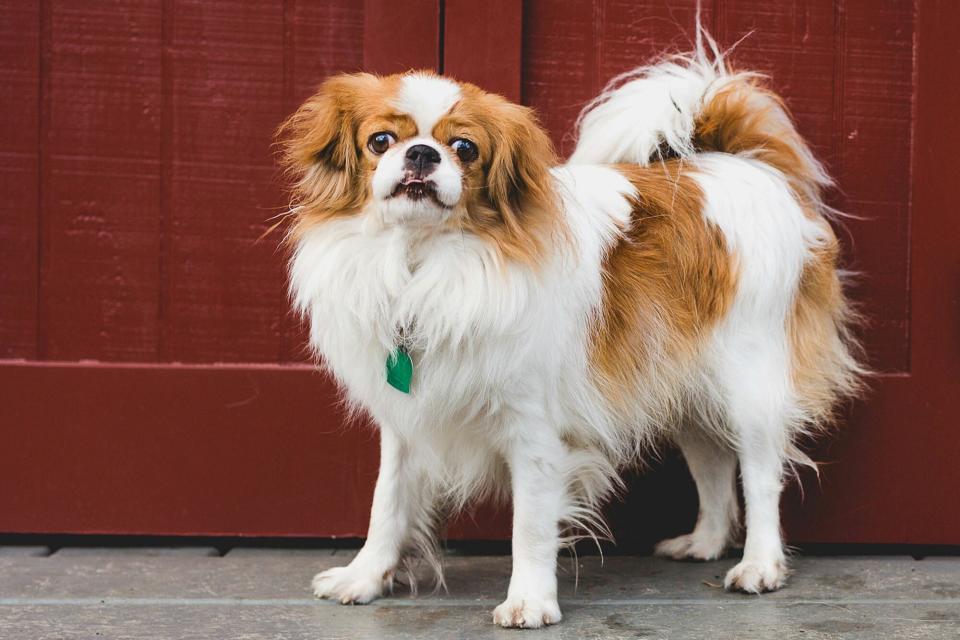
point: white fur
(426, 98)
(503, 395)
(664, 98)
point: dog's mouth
(417, 189)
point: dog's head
(421, 150)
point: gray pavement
(191, 593)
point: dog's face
(420, 150)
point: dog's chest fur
(472, 325)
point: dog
(520, 327)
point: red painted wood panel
(571, 49)
(224, 80)
(263, 450)
(875, 91)
(100, 195)
(482, 44)
(19, 176)
(559, 63)
(628, 33)
(399, 36)
(259, 451)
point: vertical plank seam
(839, 103)
(839, 73)
(915, 84)
(44, 37)
(598, 17)
(365, 36)
(166, 180)
(441, 34)
(519, 53)
(289, 64)
(839, 70)
(521, 72)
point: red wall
(153, 378)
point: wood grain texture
(571, 49)
(894, 466)
(223, 289)
(934, 266)
(258, 450)
(845, 69)
(19, 176)
(558, 63)
(100, 169)
(875, 90)
(482, 44)
(630, 33)
(399, 36)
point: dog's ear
(319, 144)
(519, 184)
(519, 179)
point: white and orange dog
(518, 326)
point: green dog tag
(399, 370)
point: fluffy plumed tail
(693, 103)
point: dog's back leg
(759, 412)
(713, 465)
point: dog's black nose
(421, 157)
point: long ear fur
(319, 149)
(519, 184)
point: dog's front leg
(398, 500)
(535, 458)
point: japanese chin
(522, 327)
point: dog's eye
(380, 142)
(466, 150)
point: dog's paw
(349, 585)
(526, 612)
(756, 577)
(690, 547)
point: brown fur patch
(746, 118)
(823, 367)
(666, 282)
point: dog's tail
(693, 103)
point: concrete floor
(190, 593)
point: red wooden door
(153, 379)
